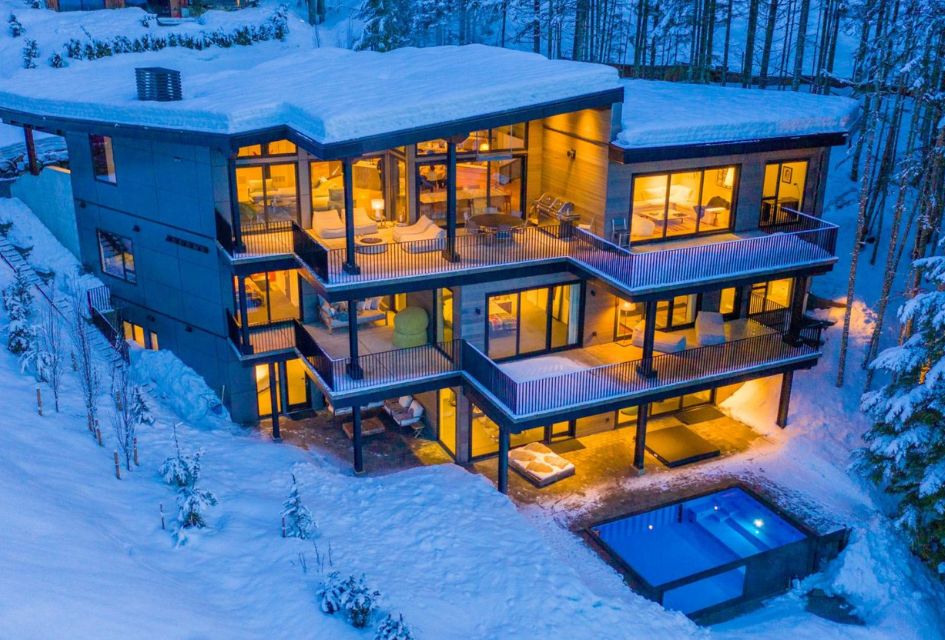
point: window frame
(549, 292)
(777, 191)
(131, 250)
(109, 150)
(736, 184)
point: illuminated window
(117, 255)
(103, 159)
(141, 336)
(682, 203)
(277, 148)
(783, 189)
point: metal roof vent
(158, 83)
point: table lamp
(377, 204)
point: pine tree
(386, 24)
(30, 54)
(18, 302)
(906, 444)
(56, 61)
(331, 593)
(15, 27)
(193, 502)
(358, 601)
(297, 520)
(393, 629)
(180, 470)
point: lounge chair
(662, 341)
(328, 224)
(710, 328)
(406, 412)
(540, 465)
(432, 239)
(407, 233)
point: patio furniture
(410, 327)
(340, 412)
(540, 465)
(679, 445)
(328, 224)
(662, 341)
(370, 244)
(370, 427)
(335, 315)
(550, 206)
(710, 328)
(619, 232)
(432, 239)
(497, 221)
(405, 233)
(406, 412)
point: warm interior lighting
(729, 180)
(483, 146)
(377, 204)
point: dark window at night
(118, 258)
(103, 159)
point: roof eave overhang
(325, 150)
(625, 155)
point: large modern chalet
(505, 249)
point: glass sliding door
(444, 315)
(678, 313)
(784, 185)
(446, 419)
(267, 193)
(271, 296)
(533, 321)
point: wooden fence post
(117, 466)
(137, 464)
(98, 436)
(39, 400)
(162, 516)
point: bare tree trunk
(749, 58)
(769, 40)
(799, 47)
(725, 47)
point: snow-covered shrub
(279, 23)
(297, 520)
(906, 445)
(358, 601)
(56, 61)
(331, 593)
(393, 629)
(181, 469)
(15, 27)
(30, 54)
(18, 302)
(147, 19)
(192, 502)
(73, 49)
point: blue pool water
(683, 539)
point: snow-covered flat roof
(659, 114)
(328, 94)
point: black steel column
(645, 368)
(246, 346)
(639, 445)
(449, 252)
(798, 293)
(356, 439)
(784, 401)
(30, 150)
(503, 460)
(354, 367)
(350, 265)
(274, 401)
(235, 221)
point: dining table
(492, 222)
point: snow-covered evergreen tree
(30, 54)
(906, 444)
(331, 593)
(358, 601)
(392, 628)
(193, 501)
(18, 302)
(181, 469)
(297, 520)
(386, 24)
(15, 27)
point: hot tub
(710, 552)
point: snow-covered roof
(660, 114)
(328, 94)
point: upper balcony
(798, 242)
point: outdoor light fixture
(758, 522)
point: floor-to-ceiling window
(291, 387)
(532, 321)
(490, 174)
(446, 418)
(271, 296)
(267, 183)
(783, 189)
(771, 295)
(484, 435)
(683, 203)
(444, 315)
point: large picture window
(683, 203)
(103, 159)
(532, 321)
(267, 193)
(118, 257)
(783, 189)
(272, 296)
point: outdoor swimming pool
(701, 553)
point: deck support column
(30, 150)
(350, 264)
(784, 400)
(503, 479)
(246, 346)
(639, 441)
(235, 220)
(798, 296)
(354, 367)
(449, 252)
(356, 439)
(645, 368)
(274, 402)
